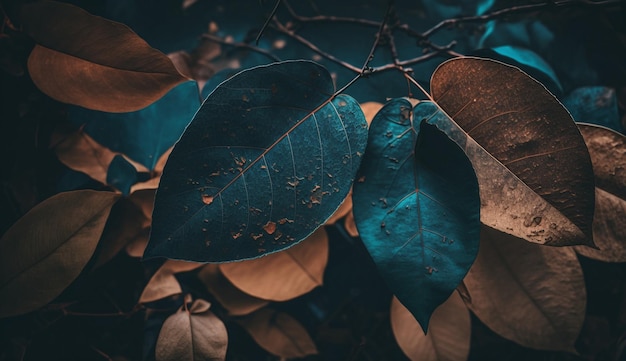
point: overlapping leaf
(143, 135)
(46, 249)
(230, 297)
(449, 332)
(534, 171)
(416, 206)
(527, 293)
(267, 159)
(192, 334)
(93, 62)
(608, 155)
(279, 334)
(283, 275)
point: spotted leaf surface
(416, 206)
(267, 159)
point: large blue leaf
(270, 155)
(417, 207)
(143, 135)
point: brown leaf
(93, 62)
(342, 211)
(153, 183)
(528, 293)
(370, 109)
(80, 152)
(163, 283)
(282, 275)
(236, 302)
(138, 245)
(608, 155)
(448, 337)
(192, 334)
(350, 225)
(279, 334)
(125, 224)
(46, 249)
(533, 138)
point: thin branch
(329, 19)
(267, 22)
(518, 10)
(282, 29)
(381, 30)
(246, 46)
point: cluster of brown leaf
(517, 288)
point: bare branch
(549, 5)
(267, 22)
(246, 46)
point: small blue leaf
(121, 174)
(596, 105)
(270, 155)
(143, 135)
(417, 206)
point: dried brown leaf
(46, 249)
(608, 155)
(282, 275)
(125, 224)
(236, 302)
(449, 332)
(342, 211)
(528, 293)
(533, 168)
(350, 225)
(192, 334)
(163, 283)
(93, 62)
(279, 334)
(370, 109)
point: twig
(517, 10)
(246, 46)
(282, 29)
(329, 19)
(267, 22)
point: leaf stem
(267, 22)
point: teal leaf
(528, 61)
(417, 207)
(146, 134)
(595, 105)
(270, 155)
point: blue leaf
(596, 105)
(121, 174)
(146, 134)
(532, 63)
(269, 157)
(417, 206)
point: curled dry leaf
(527, 293)
(535, 174)
(192, 334)
(230, 297)
(449, 332)
(279, 334)
(608, 155)
(46, 249)
(163, 283)
(93, 62)
(282, 275)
